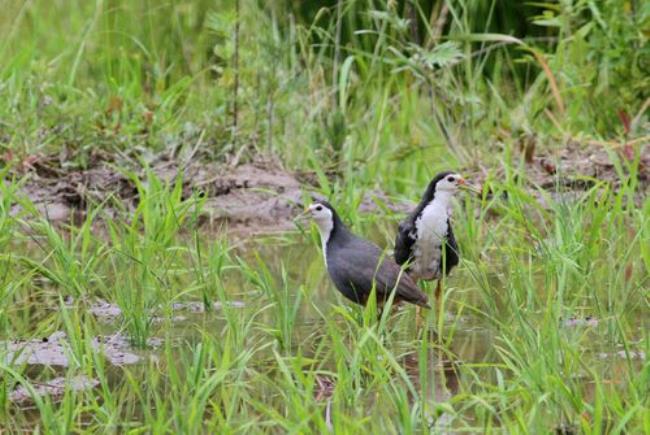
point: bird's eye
(450, 179)
(319, 208)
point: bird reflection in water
(442, 372)
(441, 381)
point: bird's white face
(321, 215)
(450, 183)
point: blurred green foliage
(309, 71)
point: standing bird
(355, 264)
(425, 242)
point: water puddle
(297, 282)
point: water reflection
(442, 373)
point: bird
(425, 244)
(355, 265)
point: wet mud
(55, 350)
(263, 197)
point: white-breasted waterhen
(425, 242)
(355, 264)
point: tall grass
(118, 73)
(354, 90)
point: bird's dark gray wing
(388, 275)
(452, 256)
(354, 268)
(404, 241)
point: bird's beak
(464, 185)
(302, 216)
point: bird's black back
(405, 240)
(451, 257)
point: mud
(632, 354)
(249, 195)
(105, 311)
(108, 312)
(54, 388)
(568, 167)
(253, 194)
(199, 307)
(580, 322)
(48, 351)
(564, 174)
(262, 197)
(117, 348)
(54, 351)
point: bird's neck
(441, 199)
(330, 230)
(325, 228)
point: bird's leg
(393, 309)
(438, 295)
(420, 316)
(380, 311)
(381, 307)
(438, 305)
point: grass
(257, 368)
(124, 79)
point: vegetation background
(546, 322)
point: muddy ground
(261, 196)
(248, 195)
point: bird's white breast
(431, 229)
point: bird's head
(444, 185)
(448, 182)
(321, 212)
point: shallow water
(462, 346)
